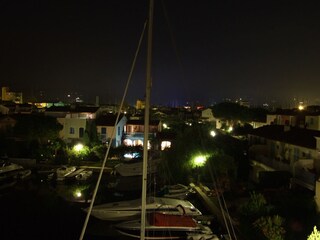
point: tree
(193, 141)
(222, 167)
(90, 136)
(255, 207)
(37, 127)
(271, 227)
(315, 235)
(34, 133)
(234, 111)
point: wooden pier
(212, 205)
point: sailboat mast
(146, 122)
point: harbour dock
(211, 203)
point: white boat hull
(135, 168)
(63, 172)
(179, 191)
(117, 211)
(84, 176)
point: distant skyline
(203, 51)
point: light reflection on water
(111, 188)
(61, 203)
(43, 206)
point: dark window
(81, 132)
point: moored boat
(23, 174)
(9, 167)
(10, 173)
(164, 226)
(84, 175)
(135, 167)
(179, 191)
(61, 173)
(116, 211)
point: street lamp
(213, 133)
(197, 162)
(77, 194)
(165, 126)
(301, 107)
(78, 147)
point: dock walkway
(213, 206)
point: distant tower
(4, 92)
(11, 96)
(140, 104)
(97, 101)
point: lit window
(128, 142)
(138, 143)
(165, 144)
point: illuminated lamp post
(197, 162)
(301, 107)
(212, 133)
(78, 147)
(79, 151)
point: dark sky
(203, 50)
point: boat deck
(73, 174)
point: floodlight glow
(77, 193)
(78, 147)
(213, 133)
(230, 129)
(199, 161)
(165, 144)
(301, 107)
(128, 155)
(131, 155)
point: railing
(302, 176)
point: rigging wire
(172, 38)
(229, 217)
(113, 133)
(146, 121)
(225, 208)
(219, 200)
(214, 180)
(211, 173)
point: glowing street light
(77, 193)
(199, 161)
(213, 133)
(78, 147)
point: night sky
(203, 50)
